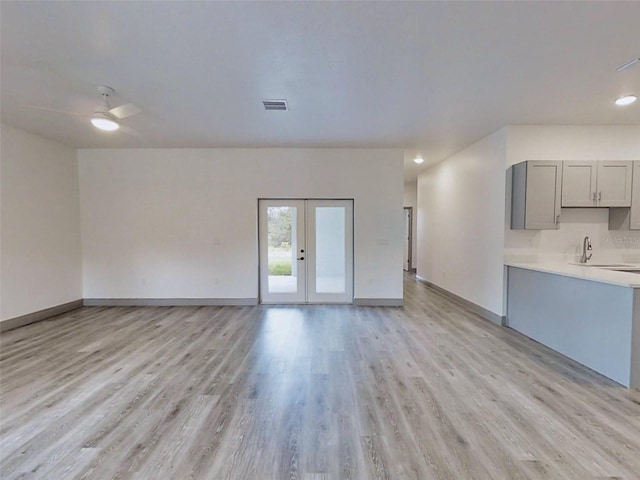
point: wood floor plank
(427, 391)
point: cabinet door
(635, 197)
(579, 182)
(614, 184)
(544, 180)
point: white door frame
(409, 241)
(313, 296)
(298, 262)
(306, 278)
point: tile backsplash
(565, 244)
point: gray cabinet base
(593, 323)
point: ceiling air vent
(275, 105)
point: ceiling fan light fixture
(626, 100)
(103, 121)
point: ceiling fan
(104, 117)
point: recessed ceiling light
(626, 100)
(103, 121)
(418, 160)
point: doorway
(408, 243)
(306, 251)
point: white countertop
(585, 272)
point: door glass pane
(282, 247)
(330, 250)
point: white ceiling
(428, 77)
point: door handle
(301, 258)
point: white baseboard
(38, 316)
(378, 302)
(477, 309)
(169, 302)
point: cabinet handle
(557, 219)
(594, 197)
(600, 197)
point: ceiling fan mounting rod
(105, 91)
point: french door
(306, 251)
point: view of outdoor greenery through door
(280, 241)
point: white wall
(573, 143)
(40, 224)
(182, 223)
(461, 207)
(411, 200)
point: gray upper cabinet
(597, 184)
(614, 184)
(535, 196)
(579, 184)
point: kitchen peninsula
(589, 313)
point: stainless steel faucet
(586, 247)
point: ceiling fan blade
(126, 110)
(35, 107)
(129, 131)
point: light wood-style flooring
(428, 391)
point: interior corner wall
(182, 223)
(411, 200)
(461, 204)
(39, 224)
